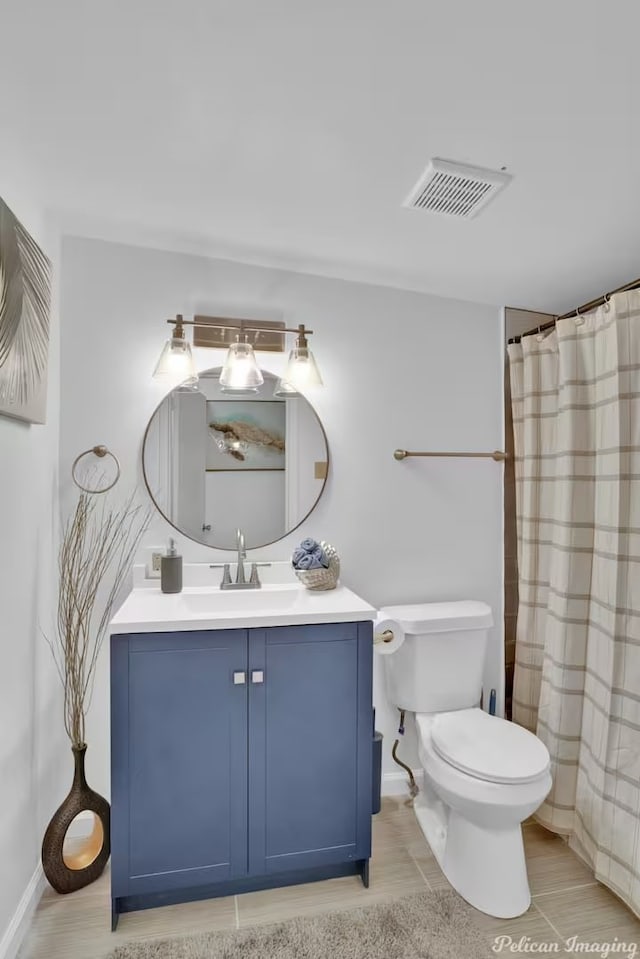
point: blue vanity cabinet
(309, 746)
(241, 760)
(178, 760)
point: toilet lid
(488, 747)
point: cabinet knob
(239, 678)
(257, 676)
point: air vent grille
(453, 189)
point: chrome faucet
(242, 555)
(241, 580)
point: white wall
(35, 762)
(400, 370)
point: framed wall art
(25, 303)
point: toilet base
(485, 866)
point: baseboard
(11, 941)
(19, 925)
(397, 784)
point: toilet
(482, 775)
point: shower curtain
(576, 415)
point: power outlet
(153, 555)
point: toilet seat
(485, 747)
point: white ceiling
(289, 132)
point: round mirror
(215, 461)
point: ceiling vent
(455, 189)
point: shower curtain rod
(591, 305)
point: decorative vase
(322, 578)
(68, 872)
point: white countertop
(148, 610)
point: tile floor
(567, 901)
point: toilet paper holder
(386, 636)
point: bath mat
(432, 925)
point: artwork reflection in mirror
(214, 462)
(246, 434)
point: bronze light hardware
(239, 326)
(497, 455)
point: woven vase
(68, 872)
(322, 578)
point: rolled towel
(308, 561)
(308, 545)
(321, 556)
(297, 555)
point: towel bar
(497, 455)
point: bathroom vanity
(241, 742)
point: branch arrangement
(97, 541)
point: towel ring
(99, 451)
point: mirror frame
(232, 549)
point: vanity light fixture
(240, 373)
(176, 360)
(302, 369)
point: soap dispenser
(171, 570)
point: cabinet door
(179, 760)
(310, 745)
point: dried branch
(97, 543)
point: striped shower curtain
(576, 415)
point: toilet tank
(440, 664)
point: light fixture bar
(211, 337)
(179, 322)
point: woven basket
(322, 578)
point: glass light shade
(284, 389)
(302, 370)
(240, 370)
(176, 362)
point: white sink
(215, 601)
(147, 610)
